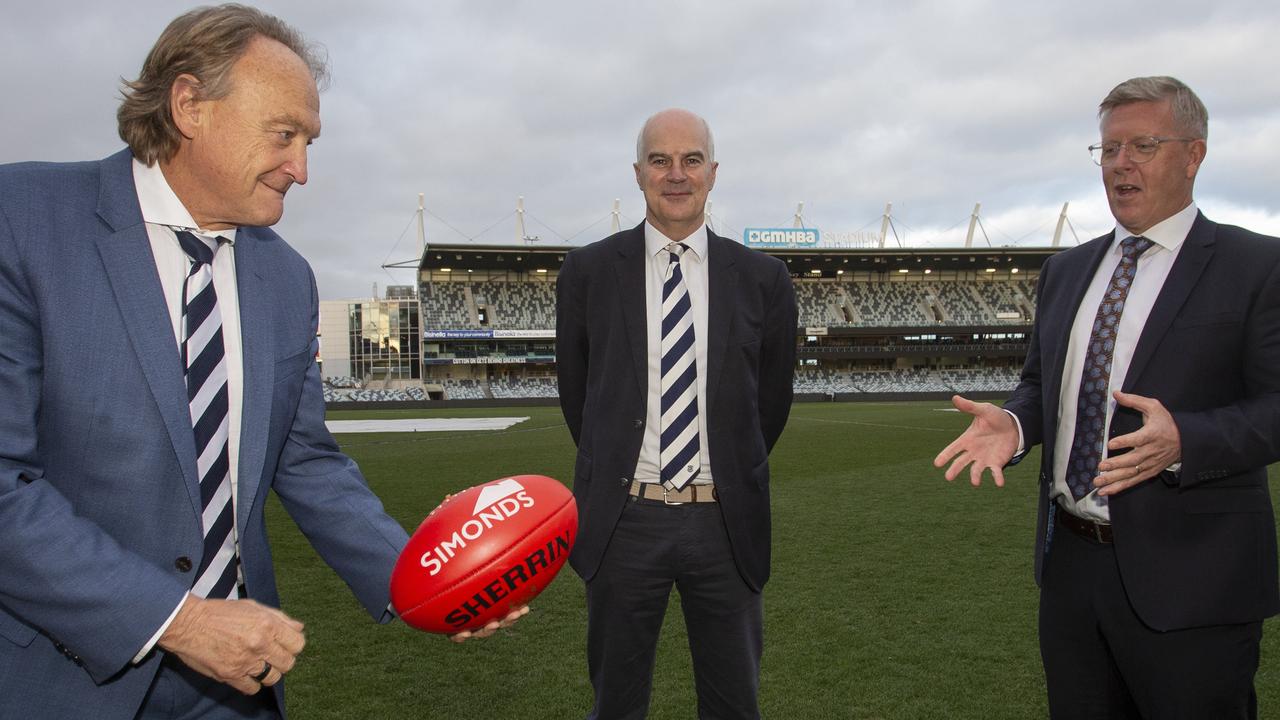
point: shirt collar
(1169, 233)
(655, 242)
(160, 204)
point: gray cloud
(931, 105)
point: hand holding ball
(483, 552)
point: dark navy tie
(680, 448)
(1091, 403)
(205, 363)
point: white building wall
(335, 339)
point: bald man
(675, 349)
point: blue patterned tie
(680, 449)
(204, 361)
(1091, 404)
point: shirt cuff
(1022, 446)
(156, 638)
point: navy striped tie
(205, 364)
(680, 448)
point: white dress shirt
(164, 214)
(1153, 268)
(693, 265)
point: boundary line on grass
(794, 418)
(404, 437)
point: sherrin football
(483, 552)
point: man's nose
(296, 166)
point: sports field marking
(422, 424)
(870, 424)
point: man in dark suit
(675, 349)
(158, 374)
(1153, 382)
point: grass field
(894, 594)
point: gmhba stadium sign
(773, 238)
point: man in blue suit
(139, 434)
(1153, 383)
(675, 349)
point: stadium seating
(533, 387)
(517, 305)
(827, 303)
(823, 381)
(462, 304)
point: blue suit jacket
(602, 362)
(99, 497)
(1198, 548)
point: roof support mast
(884, 223)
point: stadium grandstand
(874, 323)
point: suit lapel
(629, 269)
(257, 359)
(722, 281)
(1065, 315)
(1192, 258)
(131, 271)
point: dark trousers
(180, 693)
(654, 547)
(1102, 662)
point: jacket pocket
(16, 631)
(1249, 499)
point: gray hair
(205, 42)
(711, 143)
(1189, 113)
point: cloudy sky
(932, 106)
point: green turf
(894, 594)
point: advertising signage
(777, 238)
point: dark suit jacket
(99, 498)
(1197, 548)
(601, 357)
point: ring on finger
(266, 670)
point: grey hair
(711, 143)
(1188, 112)
(205, 42)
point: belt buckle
(665, 500)
(1097, 533)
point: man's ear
(1197, 150)
(185, 104)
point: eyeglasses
(1140, 149)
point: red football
(484, 551)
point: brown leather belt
(656, 491)
(1087, 529)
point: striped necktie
(680, 449)
(205, 365)
(1095, 379)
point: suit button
(624, 481)
(183, 564)
(637, 424)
